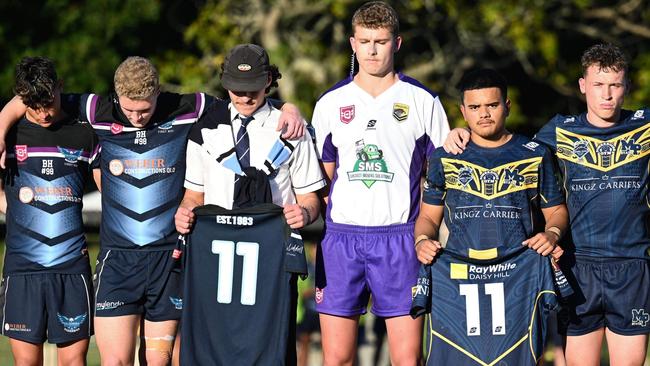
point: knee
(159, 350)
(115, 361)
(338, 358)
(27, 361)
(72, 360)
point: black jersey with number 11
(239, 299)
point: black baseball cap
(246, 68)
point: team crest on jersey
(603, 155)
(319, 295)
(400, 112)
(640, 317)
(71, 324)
(166, 126)
(639, 114)
(70, 155)
(21, 152)
(116, 128)
(178, 302)
(465, 176)
(370, 166)
(490, 183)
(346, 114)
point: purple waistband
(355, 229)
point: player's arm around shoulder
(184, 217)
(10, 114)
(291, 122)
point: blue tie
(242, 144)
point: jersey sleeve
(95, 150)
(546, 135)
(551, 191)
(306, 175)
(295, 261)
(195, 155)
(421, 303)
(325, 149)
(437, 127)
(434, 185)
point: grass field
(93, 354)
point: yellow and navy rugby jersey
(44, 183)
(492, 196)
(605, 175)
(485, 313)
(142, 169)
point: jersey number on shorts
(226, 251)
(473, 313)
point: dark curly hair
(36, 82)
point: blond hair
(136, 78)
(375, 15)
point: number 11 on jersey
(472, 310)
(226, 251)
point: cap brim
(244, 85)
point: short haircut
(136, 78)
(375, 15)
(482, 79)
(606, 56)
(36, 82)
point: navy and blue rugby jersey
(485, 313)
(142, 169)
(239, 301)
(44, 185)
(492, 196)
(605, 175)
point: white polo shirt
(212, 163)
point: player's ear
(397, 44)
(583, 85)
(352, 45)
(462, 111)
(507, 107)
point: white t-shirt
(380, 146)
(212, 163)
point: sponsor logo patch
(244, 67)
(370, 166)
(116, 167)
(108, 305)
(346, 114)
(17, 327)
(26, 195)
